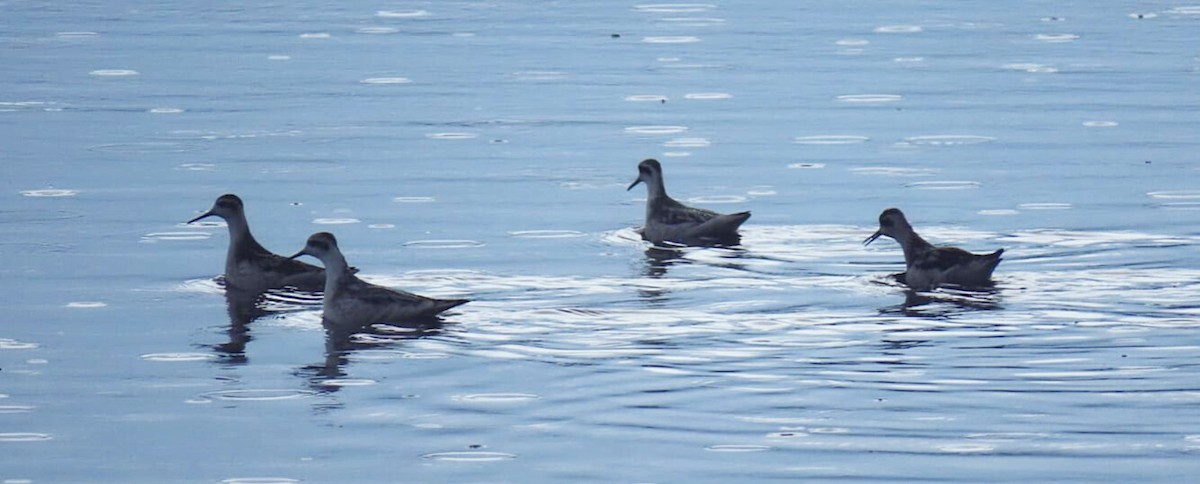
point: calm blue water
(482, 150)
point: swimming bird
(350, 301)
(667, 220)
(929, 266)
(249, 266)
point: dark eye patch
(886, 222)
(320, 244)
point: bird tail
(440, 305)
(740, 217)
(994, 260)
(730, 222)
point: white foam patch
(893, 171)
(24, 437)
(738, 448)
(656, 129)
(674, 7)
(86, 304)
(830, 140)
(707, 96)
(1056, 38)
(177, 236)
(870, 98)
(948, 140)
(386, 80)
(76, 35)
(402, 14)
(12, 344)
(114, 72)
(178, 357)
(1045, 206)
(1031, 68)
(377, 30)
(492, 398)
(469, 456)
(671, 39)
(452, 136)
(899, 29)
(688, 143)
(49, 193)
(944, 185)
(693, 21)
(546, 234)
(646, 98)
(413, 199)
(1175, 194)
(717, 199)
(1186, 10)
(966, 448)
(348, 382)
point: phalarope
(929, 266)
(350, 301)
(249, 266)
(667, 220)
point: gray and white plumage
(929, 266)
(251, 267)
(667, 220)
(350, 301)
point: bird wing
(724, 223)
(376, 295)
(672, 212)
(943, 258)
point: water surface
(482, 150)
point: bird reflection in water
(660, 258)
(245, 306)
(946, 302)
(341, 342)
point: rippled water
(482, 150)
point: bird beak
(634, 184)
(873, 237)
(298, 254)
(206, 214)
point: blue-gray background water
(482, 150)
